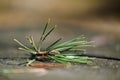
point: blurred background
(99, 20)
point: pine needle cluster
(57, 52)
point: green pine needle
(64, 59)
(42, 37)
(30, 51)
(72, 44)
(25, 48)
(32, 42)
(48, 48)
(77, 44)
(49, 32)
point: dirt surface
(98, 67)
(13, 59)
(8, 62)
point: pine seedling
(54, 52)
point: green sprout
(54, 52)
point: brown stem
(47, 65)
(45, 54)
